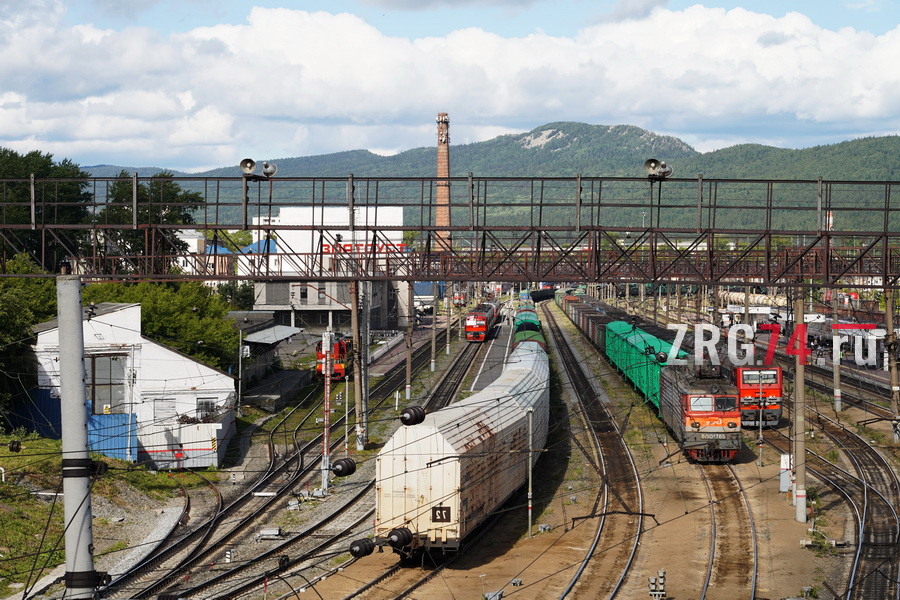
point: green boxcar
(633, 352)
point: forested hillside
(568, 149)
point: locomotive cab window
(726, 403)
(701, 403)
(757, 377)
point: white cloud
(289, 82)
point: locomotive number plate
(712, 436)
(440, 514)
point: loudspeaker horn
(269, 169)
(248, 165)
(651, 166)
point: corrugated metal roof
(272, 335)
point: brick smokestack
(442, 213)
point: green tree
(24, 302)
(233, 240)
(58, 198)
(17, 363)
(239, 295)
(190, 317)
(160, 203)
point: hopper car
(438, 478)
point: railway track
(618, 505)
(732, 536)
(870, 488)
(205, 544)
(409, 579)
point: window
(701, 403)
(163, 409)
(726, 403)
(206, 407)
(766, 377)
(105, 378)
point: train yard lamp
(656, 171)
(248, 168)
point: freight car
(441, 477)
(591, 316)
(698, 404)
(481, 320)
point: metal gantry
(797, 233)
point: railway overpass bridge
(794, 233)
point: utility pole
(81, 578)
(410, 323)
(327, 346)
(892, 362)
(434, 313)
(836, 355)
(357, 366)
(447, 301)
(800, 409)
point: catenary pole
(81, 579)
(800, 409)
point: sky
(198, 84)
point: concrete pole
(800, 412)
(447, 301)
(530, 466)
(746, 305)
(81, 579)
(410, 323)
(434, 313)
(327, 346)
(892, 362)
(836, 356)
(357, 367)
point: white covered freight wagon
(438, 480)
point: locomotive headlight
(732, 425)
(695, 425)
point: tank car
(438, 480)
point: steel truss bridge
(795, 233)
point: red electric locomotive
(700, 406)
(760, 392)
(480, 320)
(340, 358)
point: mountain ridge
(566, 149)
